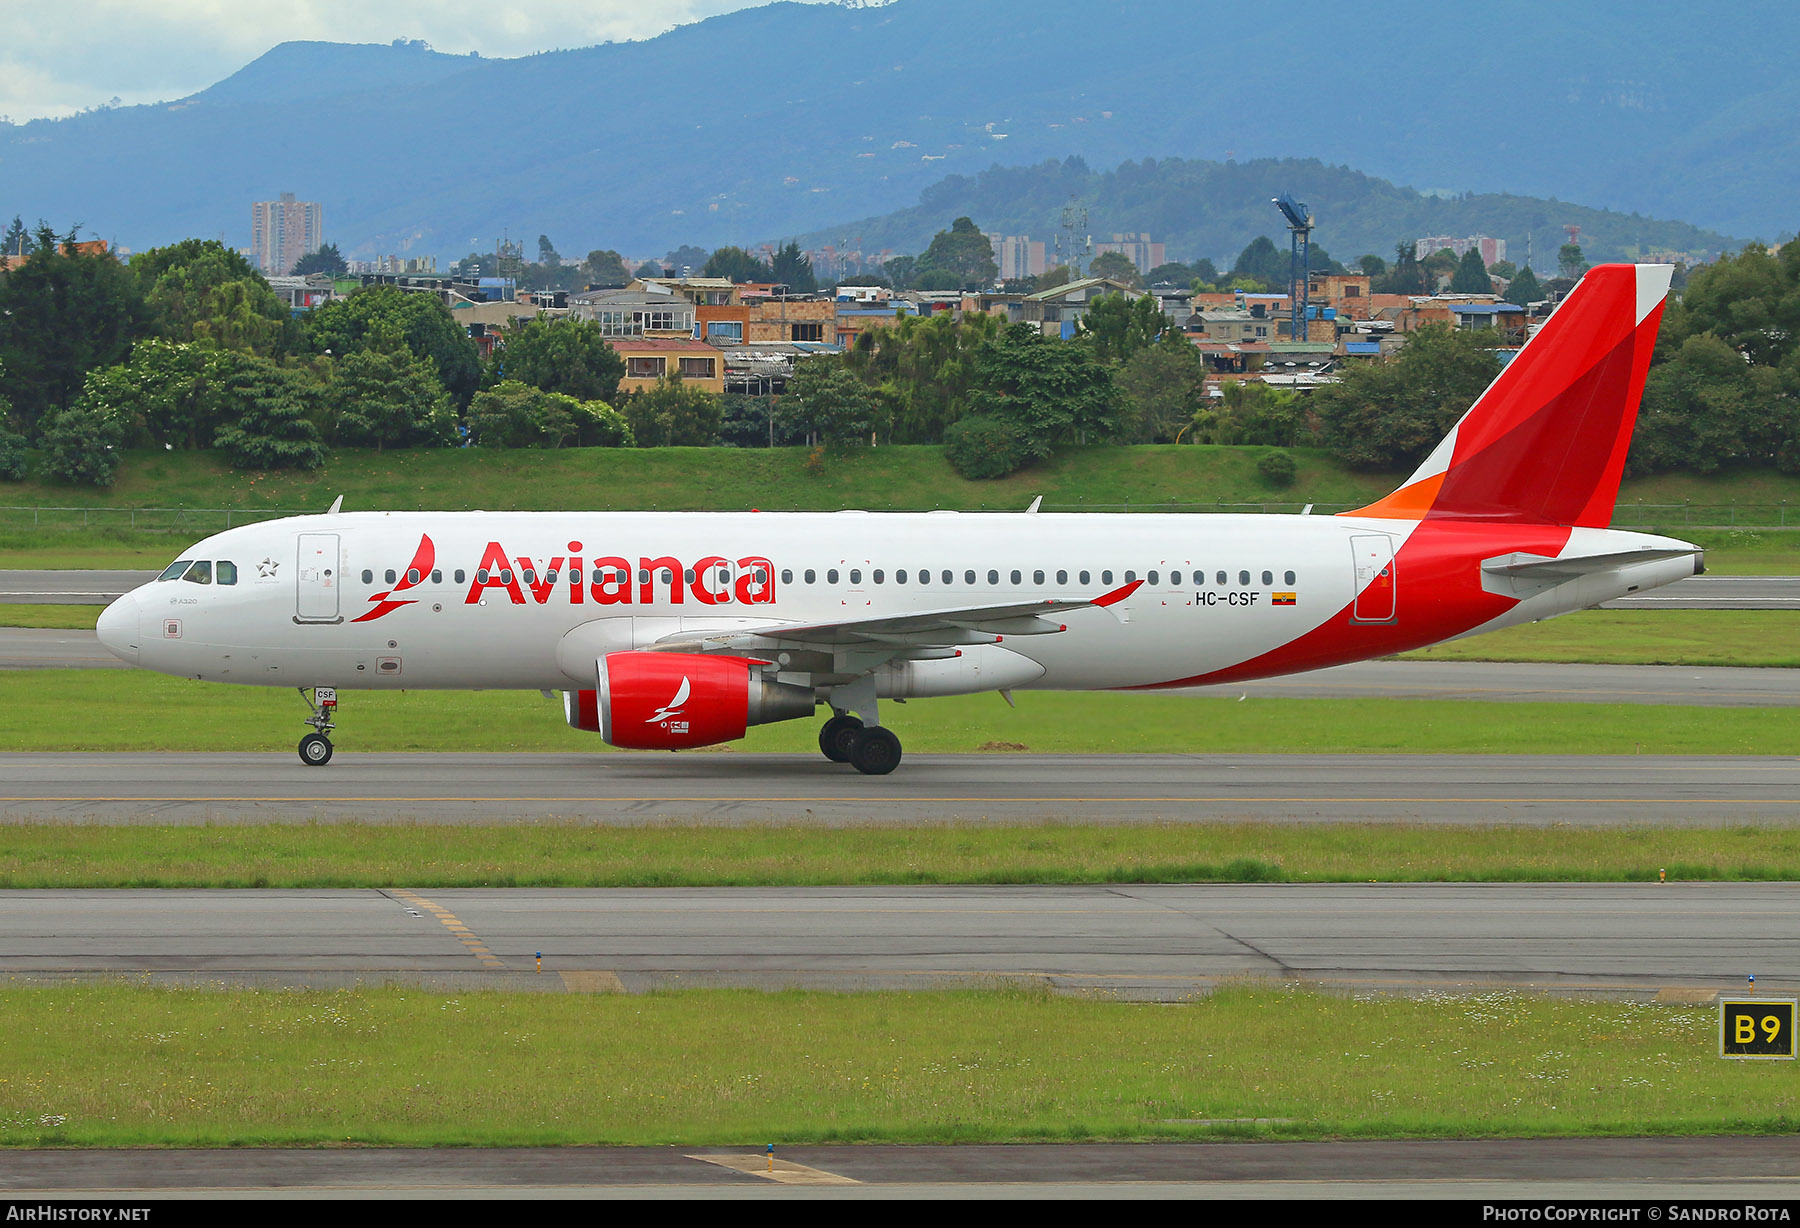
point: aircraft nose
(118, 628)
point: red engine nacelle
(671, 701)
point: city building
(1136, 248)
(1493, 251)
(1019, 256)
(282, 231)
(649, 359)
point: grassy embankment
(685, 479)
(118, 1065)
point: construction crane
(1300, 228)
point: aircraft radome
(670, 631)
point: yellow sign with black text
(1757, 1028)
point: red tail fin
(1546, 443)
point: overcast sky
(63, 56)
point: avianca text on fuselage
(611, 579)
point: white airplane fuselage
(324, 600)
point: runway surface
(1696, 593)
(1669, 1169)
(1158, 942)
(728, 788)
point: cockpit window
(200, 572)
(175, 569)
(227, 572)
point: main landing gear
(871, 750)
(315, 747)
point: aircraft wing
(901, 634)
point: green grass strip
(1755, 638)
(121, 1065)
(350, 855)
(60, 617)
(116, 710)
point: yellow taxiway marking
(781, 1171)
(447, 919)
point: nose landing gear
(315, 747)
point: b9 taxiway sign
(1757, 1028)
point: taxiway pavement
(1152, 942)
(730, 788)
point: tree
(81, 443)
(1051, 391)
(793, 270)
(673, 415)
(963, 252)
(64, 312)
(327, 260)
(377, 316)
(599, 425)
(272, 427)
(1118, 327)
(171, 392)
(1389, 415)
(1471, 275)
(17, 240)
(547, 251)
(1524, 290)
(1371, 265)
(685, 257)
(649, 269)
(1249, 412)
(921, 369)
(1119, 267)
(1569, 260)
(569, 356)
(1160, 387)
(826, 403)
(1406, 277)
(607, 268)
(1054, 276)
(1505, 269)
(900, 271)
(981, 447)
(391, 399)
(204, 292)
(1265, 262)
(512, 414)
(737, 264)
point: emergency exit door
(1377, 596)
(317, 579)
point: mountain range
(788, 119)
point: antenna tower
(1300, 228)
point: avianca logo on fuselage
(424, 558)
(609, 579)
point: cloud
(74, 54)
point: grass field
(310, 856)
(119, 1065)
(1757, 638)
(108, 710)
(100, 531)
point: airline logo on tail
(1546, 443)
